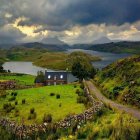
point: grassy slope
(52, 60)
(40, 99)
(121, 81)
(39, 56)
(20, 78)
(110, 125)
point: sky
(72, 21)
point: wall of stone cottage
(24, 131)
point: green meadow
(22, 79)
(43, 103)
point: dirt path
(94, 90)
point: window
(49, 76)
(61, 76)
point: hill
(49, 47)
(117, 47)
(121, 81)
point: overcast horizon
(72, 21)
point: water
(29, 68)
(107, 58)
(23, 67)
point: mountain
(38, 45)
(52, 41)
(117, 47)
(121, 81)
(102, 40)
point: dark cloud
(56, 16)
(8, 34)
(62, 14)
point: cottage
(59, 78)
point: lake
(23, 67)
(29, 68)
(107, 58)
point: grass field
(42, 102)
(20, 78)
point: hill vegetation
(121, 81)
(117, 47)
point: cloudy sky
(73, 21)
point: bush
(81, 93)
(23, 101)
(32, 116)
(82, 100)
(81, 134)
(3, 94)
(58, 96)
(16, 102)
(32, 111)
(52, 94)
(75, 86)
(82, 86)
(47, 118)
(16, 113)
(77, 91)
(60, 105)
(12, 98)
(14, 94)
(8, 107)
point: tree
(80, 64)
(40, 77)
(79, 71)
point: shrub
(23, 101)
(77, 91)
(82, 100)
(16, 113)
(32, 111)
(47, 118)
(12, 98)
(8, 107)
(81, 93)
(81, 134)
(60, 105)
(3, 93)
(16, 102)
(82, 86)
(52, 94)
(75, 86)
(5, 106)
(14, 94)
(58, 96)
(32, 116)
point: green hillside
(117, 47)
(121, 81)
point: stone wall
(24, 131)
